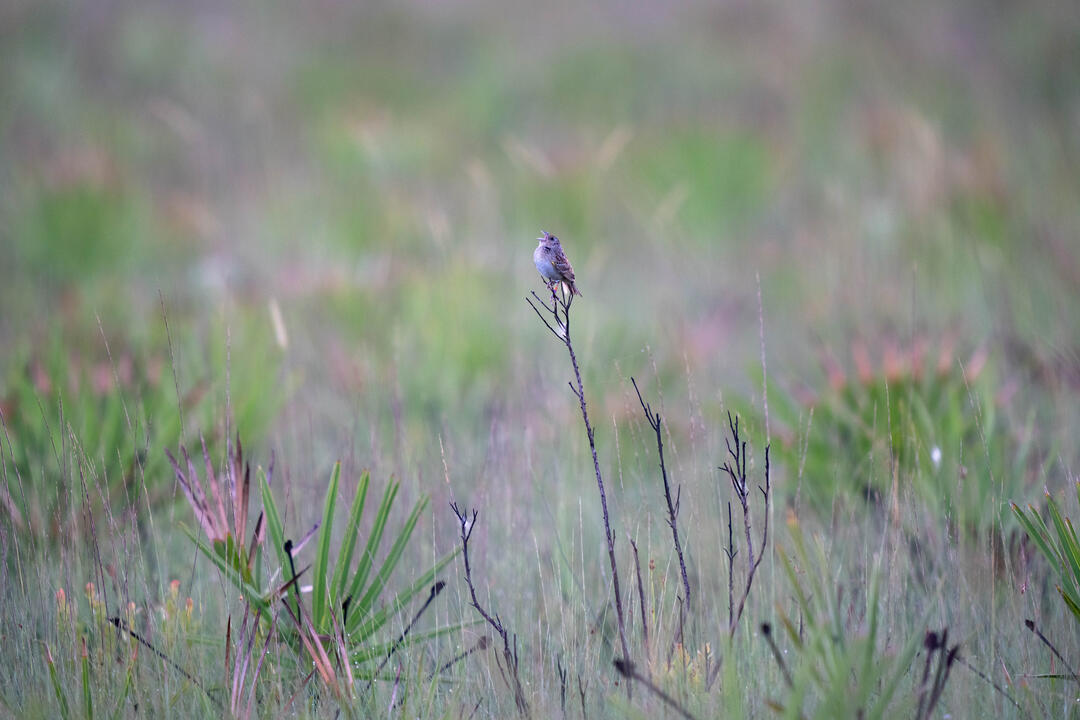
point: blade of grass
(360, 632)
(61, 698)
(250, 593)
(392, 557)
(320, 591)
(352, 531)
(88, 703)
(374, 539)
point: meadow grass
(853, 231)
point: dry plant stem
(731, 552)
(736, 470)
(581, 695)
(121, 625)
(435, 590)
(766, 630)
(628, 671)
(641, 601)
(481, 644)
(1030, 625)
(561, 330)
(937, 649)
(562, 684)
(673, 507)
(992, 684)
(510, 656)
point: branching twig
(559, 325)
(673, 507)
(736, 470)
(510, 655)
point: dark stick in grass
(736, 471)
(766, 630)
(641, 600)
(435, 590)
(481, 644)
(731, 552)
(628, 671)
(510, 655)
(653, 419)
(121, 625)
(561, 330)
(991, 683)
(1030, 625)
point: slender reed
(510, 655)
(653, 418)
(559, 325)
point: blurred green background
(879, 200)
(894, 177)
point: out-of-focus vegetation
(313, 224)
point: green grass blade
(276, 531)
(273, 520)
(118, 712)
(352, 531)
(61, 698)
(88, 701)
(1069, 549)
(251, 594)
(1071, 602)
(366, 653)
(374, 539)
(361, 632)
(392, 557)
(1039, 534)
(319, 590)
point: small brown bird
(551, 263)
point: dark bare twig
(562, 684)
(581, 694)
(121, 625)
(653, 418)
(736, 471)
(766, 630)
(992, 684)
(1030, 625)
(435, 590)
(510, 655)
(559, 325)
(480, 645)
(641, 600)
(628, 671)
(937, 651)
(731, 552)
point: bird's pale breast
(543, 264)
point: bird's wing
(562, 265)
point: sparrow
(551, 263)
